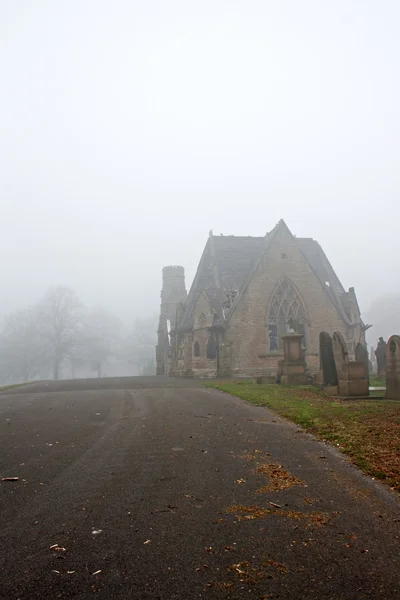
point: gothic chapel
(247, 293)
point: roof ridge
(268, 239)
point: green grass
(375, 382)
(4, 388)
(368, 431)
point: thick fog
(129, 129)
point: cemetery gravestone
(393, 368)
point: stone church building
(247, 293)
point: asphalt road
(149, 489)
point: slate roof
(234, 258)
(229, 261)
(323, 269)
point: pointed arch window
(286, 314)
(196, 349)
(211, 348)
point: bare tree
(61, 323)
(140, 346)
(23, 357)
(101, 337)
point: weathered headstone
(353, 382)
(393, 368)
(340, 352)
(352, 377)
(362, 356)
(380, 354)
(327, 360)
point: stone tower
(173, 293)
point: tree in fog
(100, 339)
(384, 314)
(140, 346)
(37, 342)
(61, 323)
(23, 357)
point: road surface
(152, 488)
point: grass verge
(374, 381)
(368, 431)
(4, 388)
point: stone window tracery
(286, 314)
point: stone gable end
(246, 330)
(202, 314)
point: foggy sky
(129, 129)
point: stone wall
(243, 344)
(173, 293)
(246, 331)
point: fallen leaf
(147, 542)
(240, 481)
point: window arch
(196, 349)
(286, 313)
(211, 348)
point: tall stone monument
(393, 368)
(380, 354)
(293, 365)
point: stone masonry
(248, 293)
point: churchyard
(341, 407)
(366, 431)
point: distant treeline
(58, 337)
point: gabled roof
(234, 258)
(228, 263)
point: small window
(273, 338)
(196, 349)
(211, 349)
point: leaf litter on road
(251, 513)
(280, 479)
